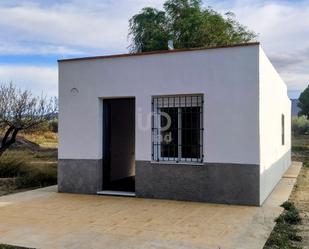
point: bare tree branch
(20, 110)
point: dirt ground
(300, 194)
(282, 236)
(300, 197)
(46, 219)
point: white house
(207, 125)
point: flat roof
(158, 52)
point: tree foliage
(187, 24)
(303, 103)
(300, 125)
(21, 111)
(149, 29)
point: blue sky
(35, 33)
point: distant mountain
(295, 108)
(54, 115)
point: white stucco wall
(228, 78)
(274, 101)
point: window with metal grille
(177, 128)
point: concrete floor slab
(43, 218)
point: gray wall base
(211, 182)
(79, 176)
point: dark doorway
(118, 145)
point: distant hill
(55, 115)
(295, 108)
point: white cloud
(10, 48)
(91, 25)
(283, 28)
(38, 79)
(61, 28)
(78, 27)
(71, 29)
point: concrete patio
(44, 218)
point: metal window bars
(177, 128)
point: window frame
(156, 126)
(282, 129)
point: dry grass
(300, 148)
(301, 140)
(300, 196)
(44, 139)
(30, 168)
(285, 234)
(295, 235)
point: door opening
(119, 146)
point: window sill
(178, 163)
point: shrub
(53, 125)
(17, 164)
(290, 215)
(300, 125)
(284, 234)
(47, 154)
(38, 176)
(10, 168)
(12, 164)
(306, 164)
(287, 205)
(43, 127)
(299, 147)
(37, 179)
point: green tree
(300, 125)
(303, 103)
(149, 30)
(187, 24)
